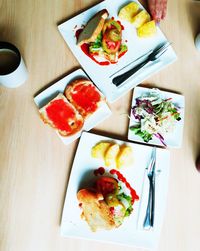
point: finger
(164, 9)
(158, 8)
(152, 9)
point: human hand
(158, 9)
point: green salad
(155, 116)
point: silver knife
(149, 217)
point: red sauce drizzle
(120, 24)
(85, 49)
(122, 54)
(123, 179)
(99, 171)
(87, 97)
(59, 113)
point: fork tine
(164, 46)
(161, 52)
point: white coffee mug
(197, 42)
(13, 72)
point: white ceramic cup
(197, 42)
(13, 72)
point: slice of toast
(95, 211)
(93, 28)
(62, 116)
(84, 96)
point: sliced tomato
(107, 185)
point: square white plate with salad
(51, 92)
(137, 49)
(131, 232)
(156, 117)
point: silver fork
(156, 53)
(149, 217)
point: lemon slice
(147, 30)
(125, 157)
(141, 18)
(111, 155)
(98, 151)
(129, 11)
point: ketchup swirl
(123, 179)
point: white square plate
(102, 75)
(44, 97)
(173, 139)
(131, 232)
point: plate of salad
(156, 117)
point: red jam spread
(59, 112)
(123, 179)
(86, 96)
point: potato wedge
(125, 156)
(111, 155)
(129, 11)
(98, 151)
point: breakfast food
(101, 39)
(93, 28)
(84, 96)
(124, 157)
(129, 11)
(99, 150)
(140, 19)
(147, 30)
(67, 112)
(113, 154)
(107, 203)
(155, 116)
(60, 114)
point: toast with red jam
(61, 115)
(84, 96)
